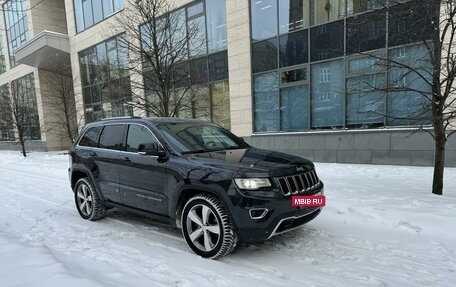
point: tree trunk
(439, 160)
(22, 141)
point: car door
(106, 159)
(143, 180)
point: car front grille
(303, 183)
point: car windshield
(191, 137)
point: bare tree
(428, 75)
(17, 112)
(58, 96)
(159, 41)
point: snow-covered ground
(381, 227)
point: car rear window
(90, 137)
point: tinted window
(327, 41)
(112, 137)
(138, 138)
(366, 32)
(293, 49)
(90, 137)
(264, 55)
(218, 67)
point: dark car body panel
(152, 186)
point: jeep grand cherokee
(196, 175)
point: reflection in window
(218, 67)
(90, 12)
(264, 55)
(366, 100)
(2, 56)
(138, 138)
(366, 32)
(216, 25)
(407, 101)
(266, 102)
(263, 19)
(293, 49)
(105, 80)
(327, 96)
(292, 76)
(409, 22)
(293, 15)
(327, 41)
(322, 11)
(294, 107)
(197, 40)
(358, 6)
(15, 14)
(221, 104)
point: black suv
(196, 175)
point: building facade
(299, 76)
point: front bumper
(280, 217)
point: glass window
(198, 71)
(409, 22)
(90, 12)
(220, 94)
(216, 25)
(197, 36)
(90, 138)
(365, 64)
(358, 6)
(293, 15)
(87, 9)
(327, 41)
(195, 9)
(108, 7)
(264, 55)
(79, 14)
(407, 100)
(106, 89)
(366, 100)
(326, 11)
(293, 49)
(327, 94)
(366, 32)
(112, 137)
(178, 38)
(263, 19)
(118, 5)
(292, 76)
(294, 108)
(97, 9)
(266, 102)
(16, 26)
(181, 75)
(138, 138)
(218, 67)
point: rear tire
(207, 228)
(87, 201)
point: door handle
(126, 159)
(93, 154)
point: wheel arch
(188, 192)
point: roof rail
(121, 118)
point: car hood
(253, 161)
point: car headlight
(252, 183)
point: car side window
(90, 137)
(112, 137)
(138, 138)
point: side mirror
(152, 149)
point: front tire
(207, 228)
(87, 201)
